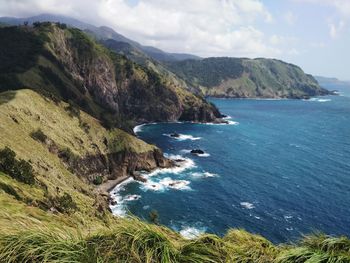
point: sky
(314, 34)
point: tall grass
(134, 241)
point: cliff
(69, 65)
(68, 149)
(247, 78)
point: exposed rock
(197, 151)
(138, 177)
(175, 135)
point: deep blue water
(283, 171)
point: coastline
(109, 185)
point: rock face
(121, 164)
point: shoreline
(109, 185)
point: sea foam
(191, 232)
(247, 205)
(183, 137)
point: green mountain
(69, 65)
(247, 78)
(62, 98)
(101, 33)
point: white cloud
(290, 18)
(335, 29)
(203, 27)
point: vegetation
(98, 180)
(63, 203)
(39, 135)
(242, 77)
(20, 170)
(66, 64)
(131, 240)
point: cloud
(203, 27)
(290, 18)
(335, 29)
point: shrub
(98, 180)
(39, 135)
(67, 155)
(8, 189)
(64, 203)
(20, 170)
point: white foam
(183, 137)
(191, 232)
(228, 117)
(203, 154)
(120, 208)
(318, 100)
(204, 174)
(131, 198)
(165, 184)
(138, 128)
(185, 164)
(247, 205)
(223, 123)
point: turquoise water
(281, 171)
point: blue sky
(314, 34)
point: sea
(279, 168)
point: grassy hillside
(247, 78)
(68, 150)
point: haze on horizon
(313, 34)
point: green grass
(22, 114)
(133, 241)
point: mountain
(247, 78)
(68, 64)
(101, 33)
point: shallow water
(281, 169)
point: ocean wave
(184, 164)
(225, 123)
(120, 206)
(318, 100)
(247, 205)
(203, 174)
(189, 232)
(138, 128)
(183, 137)
(228, 117)
(165, 184)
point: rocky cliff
(70, 65)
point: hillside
(63, 217)
(69, 65)
(247, 78)
(101, 33)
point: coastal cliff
(67, 64)
(70, 151)
(247, 78)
